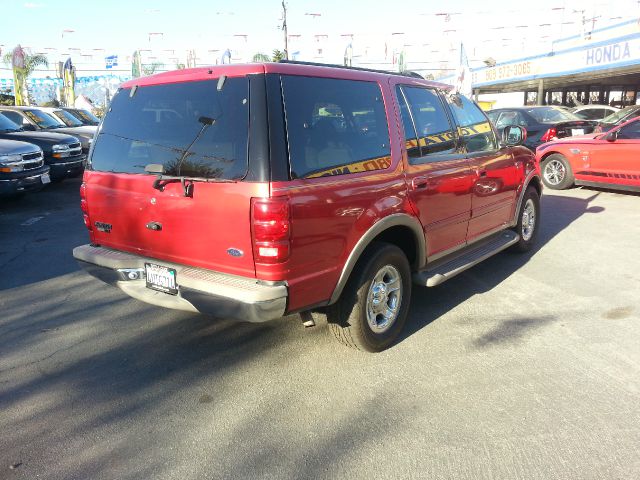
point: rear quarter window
(335, 127)
(191, 128)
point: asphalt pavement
(524, 367)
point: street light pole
(284, 28)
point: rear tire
(374, 305)
(528, 221)
(556, 172)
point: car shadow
(558, 212)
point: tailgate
(128, 214)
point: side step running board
(444, 271)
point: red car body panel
(596, 160)
(195, 230)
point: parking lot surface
(524, 367)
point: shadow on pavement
(429, 304)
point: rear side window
(191, 128)
(430, 121)
(335, 127)
(475, 129)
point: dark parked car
(618, 118)
(42, 118)
(85, 116)
(543, 123)
(22, 168)
(62, 152)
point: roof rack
(333, 65)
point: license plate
(161, 278)
(577, 131)
(45, 178)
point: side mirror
(611, 136)
(27, 127)
(513, 135)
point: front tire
(556, 172)
(375, 302)
(528, 221)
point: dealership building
(602, 66)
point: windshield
(621, 114)
(86, 117)
(552, 115)
(7, 125)
(68, 119)
(190, 128)
(42, 119)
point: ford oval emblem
(234, 252)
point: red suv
(257, 191)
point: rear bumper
(199, 290)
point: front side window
(335, 127)
(474, 127)
(191, 128)
(435, 134)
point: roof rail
(333, 65)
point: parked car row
(37, 148)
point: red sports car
(610, 160)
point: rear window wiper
(187, 183)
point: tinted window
(191, 128)
(68, 119)
(42, 119)
(631, 131)
(410, 136)
(551, 114)
(335, 126)
(510, 118)
(475, 129)
(435, 134)
(86, 116)
(619, 115)
(15, 117)
(7, 125)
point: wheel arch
(398, 229)
(534, 180)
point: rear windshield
(552, 115)
(620, 114)
(192, 129)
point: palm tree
(261, 57)
(31, 62)
(278, 55)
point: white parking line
(31, 221)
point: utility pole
(284, 29)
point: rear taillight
(270, 229)
(85, 207)
(551, 134)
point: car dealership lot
(526, 366)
